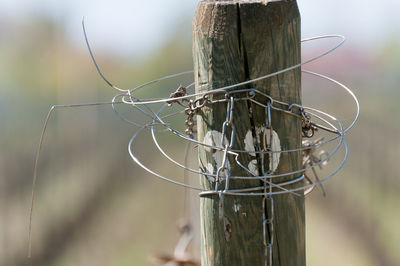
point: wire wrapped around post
(253, 111)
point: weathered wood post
(235, 41)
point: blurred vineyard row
(94, 206)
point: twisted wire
(156, 118)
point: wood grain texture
(234, 41)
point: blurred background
(94, 206)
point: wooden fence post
(234, 41)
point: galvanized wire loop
(338, 135)
(195, 103)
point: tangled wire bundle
(190, 104)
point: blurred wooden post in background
(234, 41)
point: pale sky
(136, 27)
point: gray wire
(342, 140)
(340, 132)
(127, 97)
(224, 89)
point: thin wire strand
(224, 89)
(342, 140)
(350, 92)
(186, 215)
(37, 158)
(94, 60)
(304, 107)
(277, 175)
(263, 152)
(219, 90)
(335, 130)
(219, 148)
